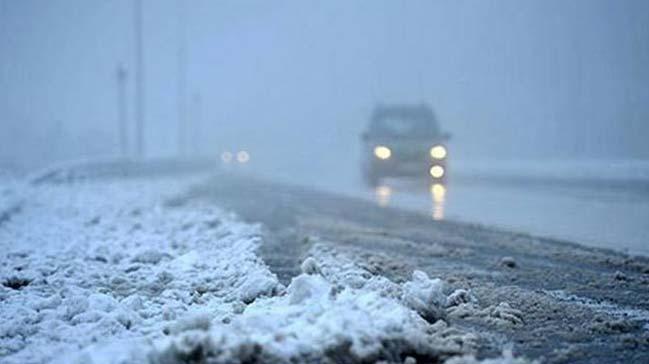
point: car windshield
(403, 127)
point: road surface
(566, 302)
(611, 217)
(566, 201)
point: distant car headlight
(226, 157)
(243, 156)
(437, 171)
(382, 152)
(438, 152)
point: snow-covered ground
(125, 271)
(86, 262)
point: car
(404, 141)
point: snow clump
(333, 313)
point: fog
(294, 82)
(300, 181)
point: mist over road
(601, 204)
(324, 181)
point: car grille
(408, 155)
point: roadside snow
(99, 262)
(127, 272)
(334, 311)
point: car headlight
(438, 152)
(243, 157)
(226, 157)
(437, 171)
(382, 152)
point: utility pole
(139, 81)
(182, 81)
(196, 125)
(121, 109)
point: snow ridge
(110, 262)
(334, 311)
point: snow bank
(103, 168)
(107, 272)
(333, 312)
(101, 263)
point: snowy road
(571, 298)
(613, 217)
(571, 201)
(159, 270)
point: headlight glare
(243, 156)
(437, 171)
(226, 157)
(438, 152)
(382, 152)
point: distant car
(404, 141)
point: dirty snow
(507, 358)
(112, 260)
(127, 272)
(334, 311)
(616, 311)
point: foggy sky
(294, 81)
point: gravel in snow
(107, 272)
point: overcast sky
(294, 81)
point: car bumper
(391, 168)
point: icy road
(226, 269)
